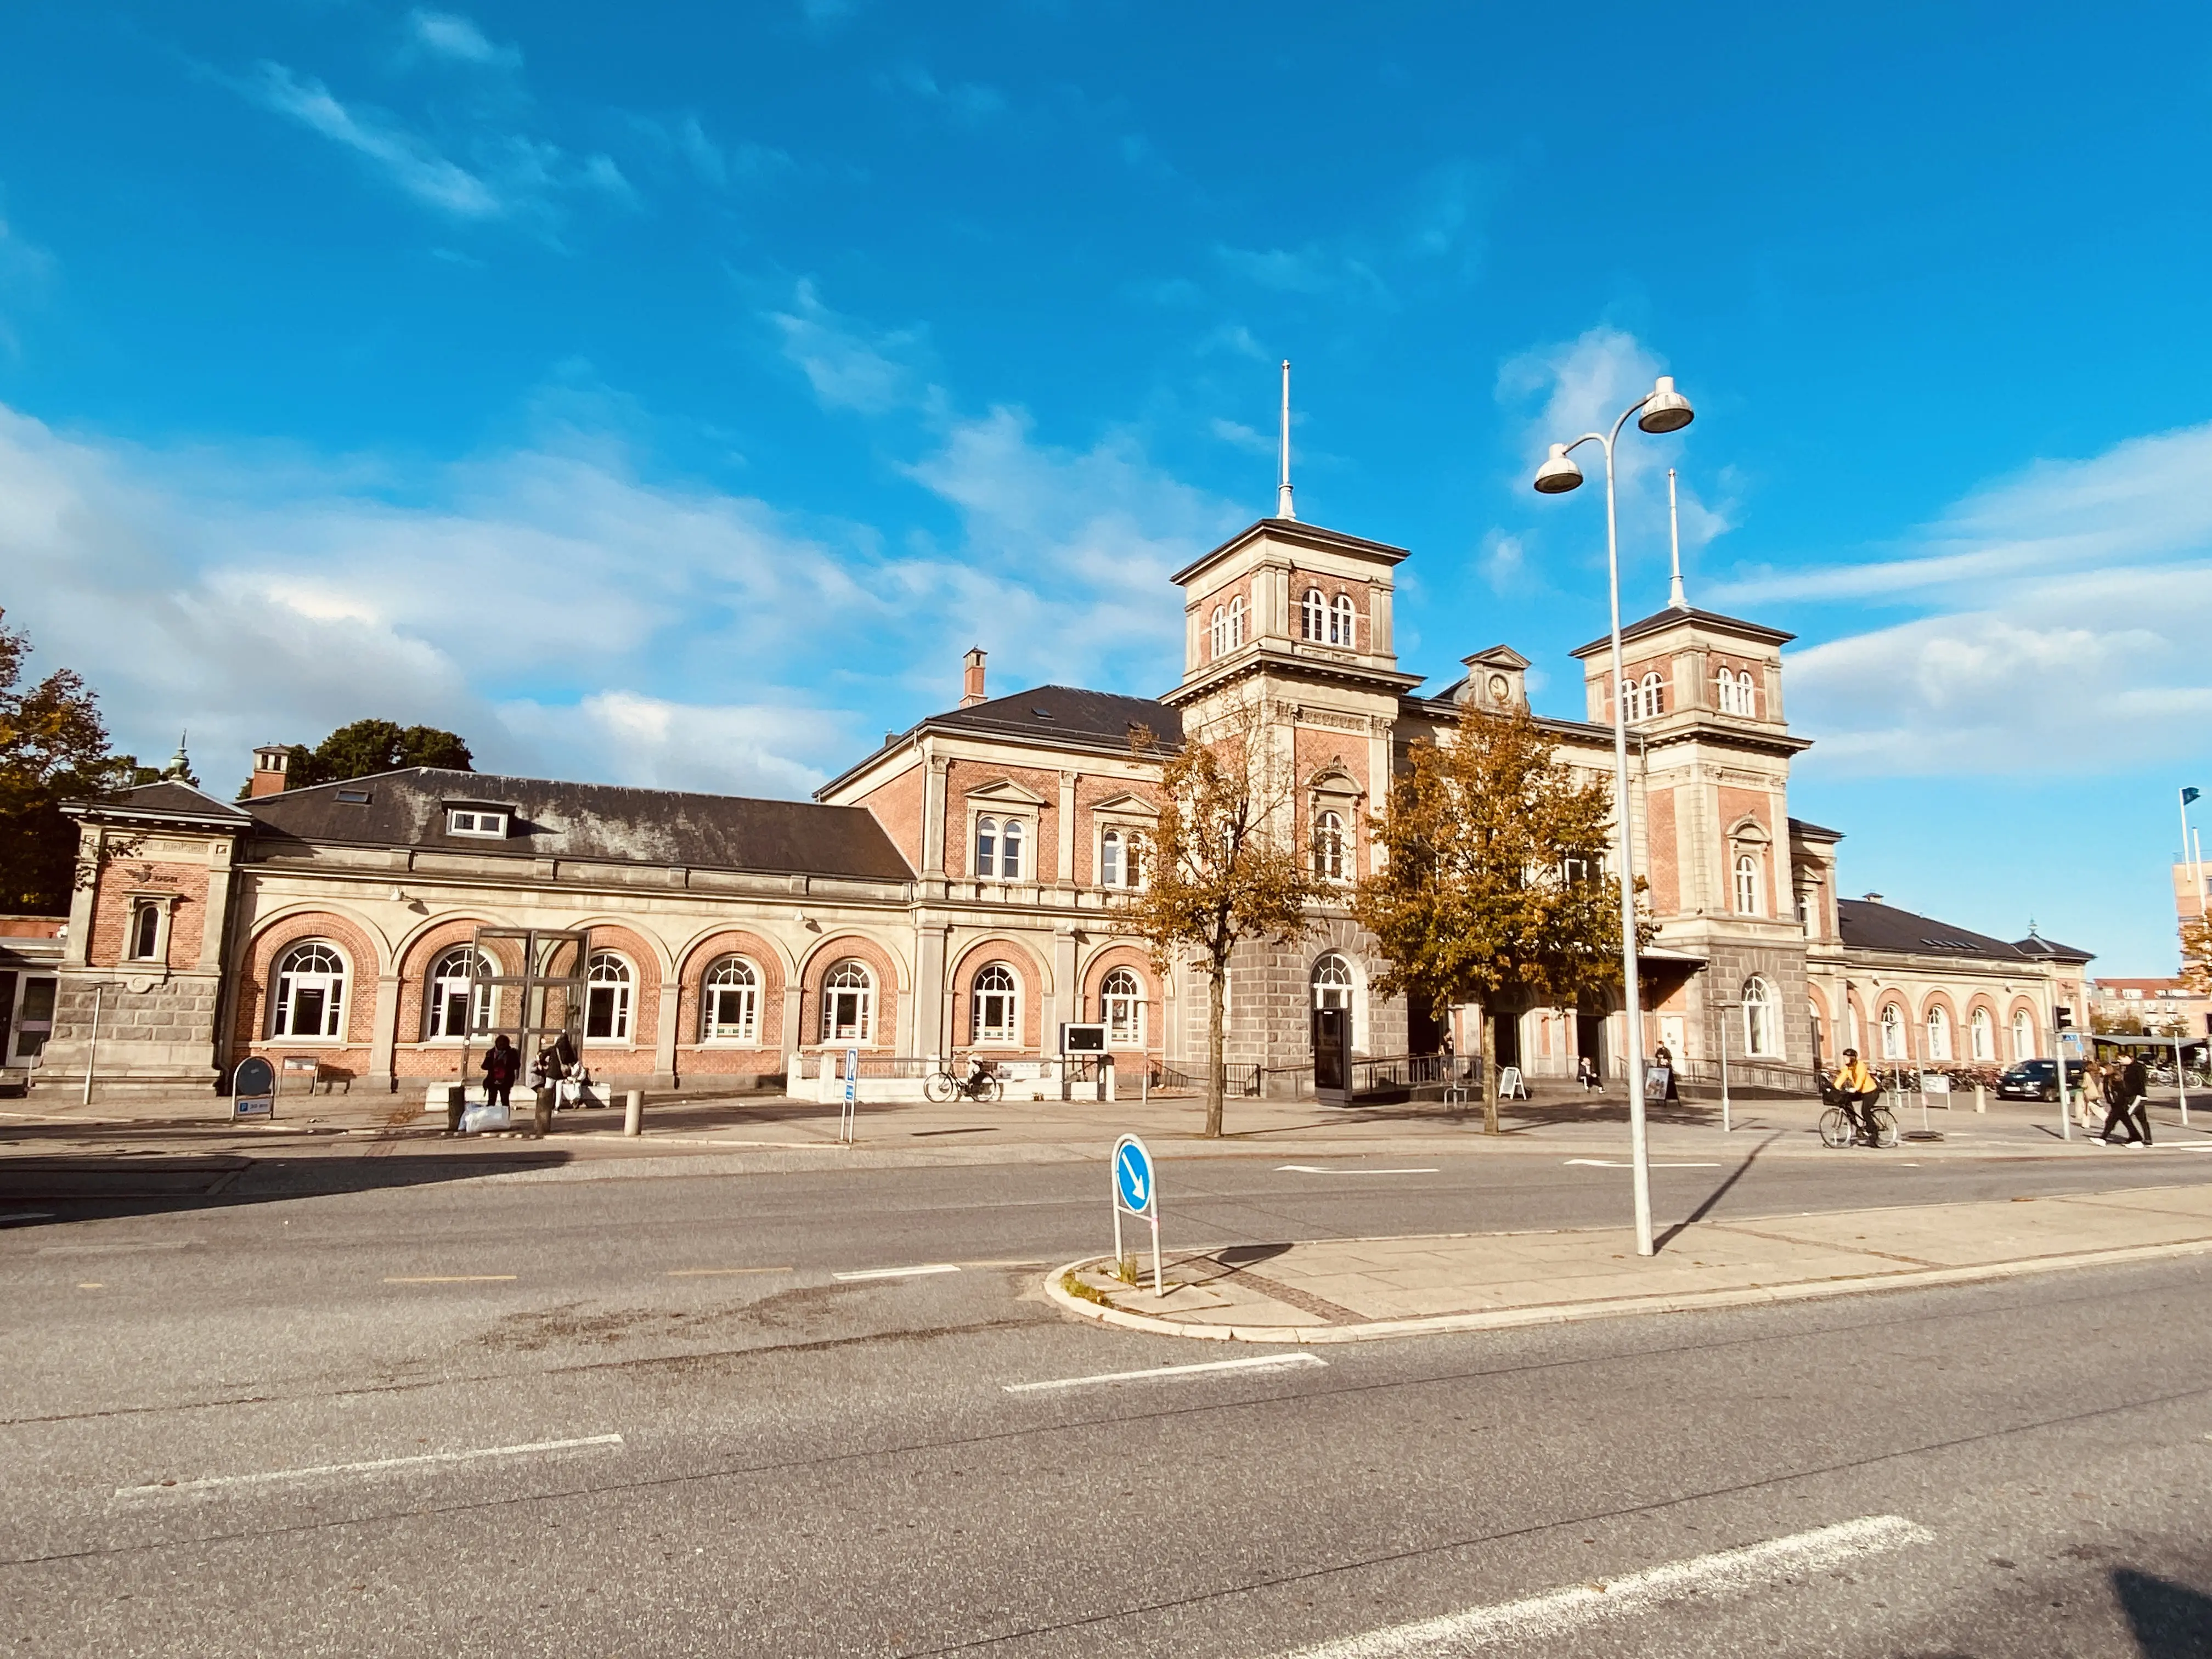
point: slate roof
(1814, 831)
(1067, 711)
(2049, 950)
(1674, 614)
(1868, 925)
(166, 799)
(590, 821)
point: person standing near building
(500, 1063)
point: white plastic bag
(478, 1119)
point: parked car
(2036, 1079)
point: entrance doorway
(1589, 1040)
(1508, 1027)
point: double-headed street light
(1664, 410)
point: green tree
(2197, 955)
(53, 746)
(367, 747)
(1225, 866)
(1490, 891)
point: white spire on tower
(1282, 507)
(1675, 597)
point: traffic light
(2064, 1017)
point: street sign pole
(848, 1115)
(1137, 1191)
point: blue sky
(669, 394)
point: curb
(1569, 1313)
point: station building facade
(957, 890)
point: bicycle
(1838, 1128)
(982, 1083)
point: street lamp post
(1664, 409)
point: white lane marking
(1273, 1362)
(721, 1273)
(453, 1279)
(900, 1273)
(1312, 1169)
(1729, 1571)
(422, 1460)
(1620, 1163)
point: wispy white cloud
(1248, 439)
(969, 102)
(450, 35)
(410, 160)
(1313, 270)
(849, 364)
(26, 270)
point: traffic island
(1361, 1289)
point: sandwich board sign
(1137, 1193)
(254, 1088)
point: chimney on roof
(272, 762)
(971, 685)
(1873, 898)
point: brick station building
(955, 890)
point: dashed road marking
(1313, 1169)
(1272, 1362)
(451, 1279)
(1623, 1163)
(721, 1273)
(901, 1273)
(376, 1466)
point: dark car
(2036, 1079)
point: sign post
(848, 1115)
(254, 1088)
(1137, 1193)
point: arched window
(145, 930)
(1112, 872)
(729, 1010)
(998, 1005)
(606, 1005)
(1217, 634)
(1893, 1031)
(1628, 699)
(1762, 1018)
(310, 992)
(1653, 700)
(1724, 687)
(1981, 1040)
(1344, 624)
(849, 1003)
(1010, 850)
(1328, 847)
(1939, 1035)
(459, 1001)
(1122, 1005)
(1313, 616)
(1236, 621)
(1747, 884)
(986, 847)
(1747, 695)
(1333, 986)
(2023, 1035)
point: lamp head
(1665, 410)
(1558, 473)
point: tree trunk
(1215, 1076)
(1488, 1020)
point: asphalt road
(634, 1409)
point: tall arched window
(729, 1010)
(1313, 616)
(1329, 845)
(607, 999)
(1747, 884)
(2023, 1035)
(1010, 850)
(1762, 1018)
(986, 847)
(1112, 871)
(1236, 621)
(998, 1005)
(1344, 624)
(849, 1003)
(1122, 1005)
(1747, 695)
(1217, 634)
(145, 930)
(310, 999)
(1724, 689)
(1980, 1038)
(1893, 1031)
(1652, 702)
(1334, 987)
(1939, 1035)
(459, 1002)
(1628, 699)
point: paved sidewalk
(1350, 1290)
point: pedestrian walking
(2126, 1105)
(2092, 1090)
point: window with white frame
(310, 1001)
(1762, 1018)
(997, 1002)
(729, 1007)
(2023, 1035)
(1653, 701)
(1981, 1038)
(1236, 621)
(1011, 836)
(1334, 986)
(607, 999)
(145, 941)
(1939, 1035)
(1329, 845)
(459, 1001)
(999, 843)
(1344, 624)
(849, 1003)
(476, 821)
(1313, 616)
(1122, 1005)
(1118, 864)
(986, 847)
(1893, 1031)
(1747, 884)
(1738, 692)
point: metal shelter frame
(532, 1025)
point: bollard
(634, 1112)
(1981, 1097)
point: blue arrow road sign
(1133, 1175)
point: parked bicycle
(982, 1082)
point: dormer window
(478, 820)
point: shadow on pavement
(2169, 1620)
(1717, 1193)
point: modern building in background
(956, 891)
